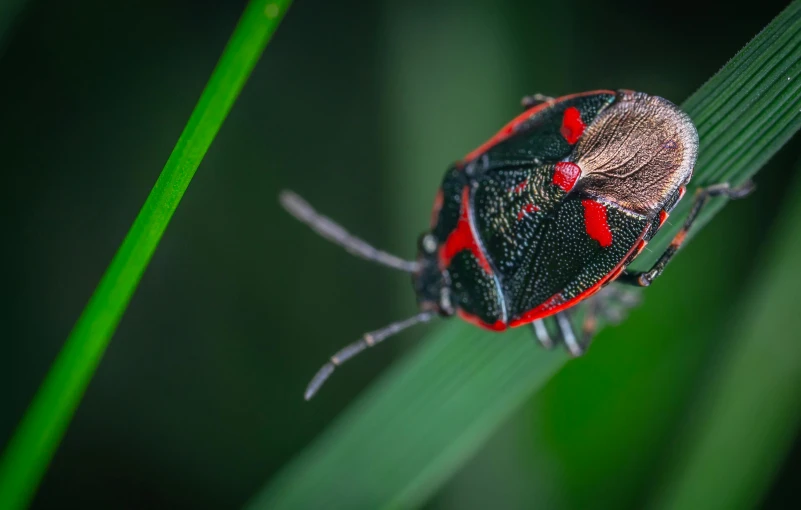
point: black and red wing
(548, 248)
(545, 133)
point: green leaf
(38, 434)
(749, 411)
(408, 433)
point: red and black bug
(543, 215)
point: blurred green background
(359, 106)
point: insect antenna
(334, 232)
(351, 350)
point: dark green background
(359, 106)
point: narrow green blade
(41, 429)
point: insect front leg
(644, 278)
(533, 100)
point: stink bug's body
(543, 215)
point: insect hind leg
(702, 196)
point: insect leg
(644, 278)
(351, 350)
(569, 337)
(533, 100)
(542, 333)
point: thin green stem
(41, 429)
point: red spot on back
(565, 175)
(595, 222)
(663, 216)
(472, 319)
(572, 126)
(526, 209)
(463, 238)
(519, 188)
(510, 128)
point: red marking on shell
(472, 319)
(557, 303)
(526, 209)
(463, 238)
(682, 191)
(572, 126)
(438, 201)
(510, 128)
(663, 216)
(565, 175)
(519, 188)
(595, 222)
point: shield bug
(543, 215)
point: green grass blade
(749, 413)
(38, 434)
(403, 437)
